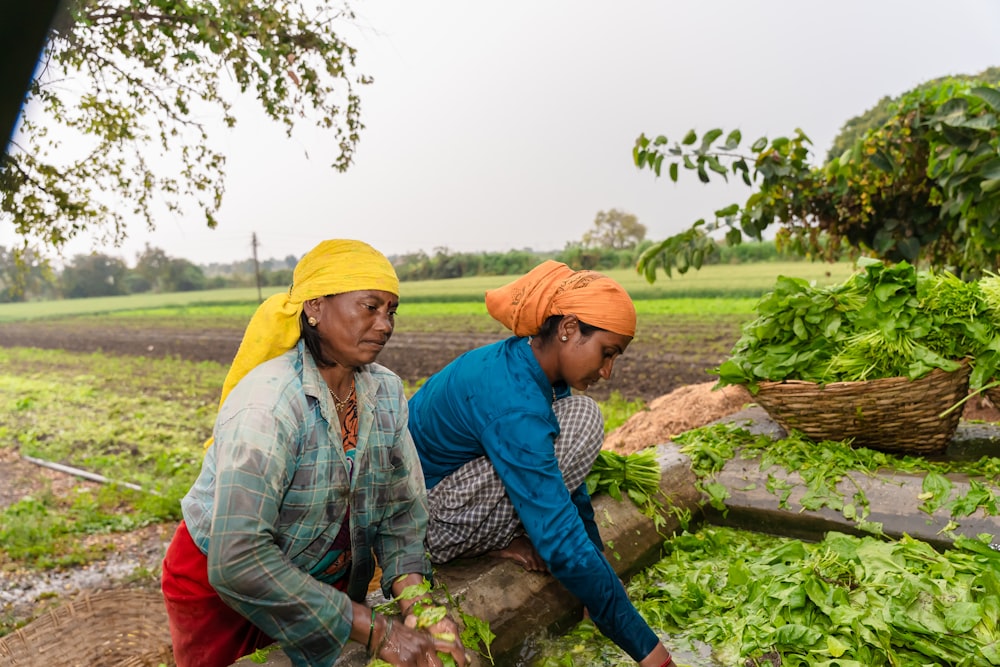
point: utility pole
(256, 265)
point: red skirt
(206, 632)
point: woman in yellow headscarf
(309, 471)
(505, 447)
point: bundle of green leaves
(637, 474)
(883, 321)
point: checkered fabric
(470, 513)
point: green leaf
(990, 170)
(713, 164)
(733, 140)
(794, 634)
(674, 167)
(759, 145)
(689, 138)
(991, 185)
(415, 590)
(717, 494)
(989, 95)
(710, 136)
(732, 209)
(881, 160)
(963, 616)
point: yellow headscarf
(552, 288)
(332, 267)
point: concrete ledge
(893, 498)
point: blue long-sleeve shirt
(496, 401)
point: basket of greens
(885, 358)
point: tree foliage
(873, 118)
(22, 273)
(93, 275)
(924, 186)
(128, 91)
(616, 230)
(160, 273)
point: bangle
(371, 631)
(668, 661)
(385, 637)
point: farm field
(671, 350)
(687, 324)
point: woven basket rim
(901, 379)
(120, 626)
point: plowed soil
(664, 356)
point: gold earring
(565, 338)
(312, 321)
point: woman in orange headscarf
(310, 471)
(505, 447)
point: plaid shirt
(275, 487)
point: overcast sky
(501, 125)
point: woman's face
(583, 360)
(355, 326)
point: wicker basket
(119, 628)
(895, 415)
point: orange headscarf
(552, 288)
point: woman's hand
(444, 630)
(409, 647)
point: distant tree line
(614, 242)
(26, 276)
(103, 275)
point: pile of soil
(681, 410)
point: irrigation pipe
(93, 477)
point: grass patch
(130, 419)
(617, 409)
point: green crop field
(738, 282)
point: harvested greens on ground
(883, 321)
(843, 602)
(820, 466)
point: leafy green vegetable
(636, 474)
(858, 601)
(883, 321)
(476, 633)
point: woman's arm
(255, 449)
(522, 452)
